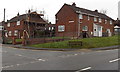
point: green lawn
(87, 43)
(18, 40)
(59, 37)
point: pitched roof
(33, 17)
(16, 18)
(117, 23)
(88, 12)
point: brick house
(32, 24)
(50, 30)
(73, 21)
(1, 29)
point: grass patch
(59, 37)
(18, 40)
(95, 42)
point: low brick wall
(31, 41)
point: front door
(109, 32)
(97, 30)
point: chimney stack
(74, 4)
(29, 11)
(18, 14)
(96, 10)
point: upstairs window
(45, 28)
(95, 19)
(52, 28)
(61, 28)
(18, 22)
(100, 20)
(88, 17)
(49, 28)
(110, 21)
(80, 16)
(15, 32)
(105, 21)
(8, 25)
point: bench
(75, 43)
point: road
(24, 59)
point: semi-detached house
(31, 23)
(73, 21)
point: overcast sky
(51, 7)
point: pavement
(60, 49)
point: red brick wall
(31, 41)
(14, 26)
(64, 16)
(71, 29)
(89, 23)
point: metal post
(4, 15)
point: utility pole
(3, 30)
(119, 10)
(4, 15)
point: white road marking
(38, 60)
(41, 60)
(75, 54)
(8, 66)
(88, 68)
(114, 60)
(17, 64)
(18, 55)
(25, 56)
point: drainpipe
(78, 26)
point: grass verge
(95, 42)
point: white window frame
(45, 28)
(95, 19)
(88, 17)
(6, 34)
(111, 22)
(16, 33)
(49, 28)
(105, 21)
(52, 28)
(10, 33)
(18, 22)
(8, 25)
(100, 20)
(85, 28)
(80, 16)
(61, 28)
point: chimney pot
(18, 14)
(74, 4)
(29, 11)
(96, 10)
